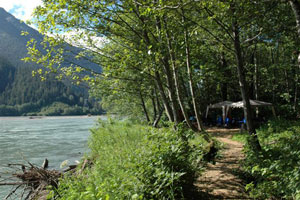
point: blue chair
(219, 121)
(227, 121)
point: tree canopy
(172, 58)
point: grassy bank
(274, 173)
(137, 162)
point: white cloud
(84, 39)
(21, 9)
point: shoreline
(48, 117)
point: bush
(171, 165)
(275, 171)
(136, 162)
(286, 111)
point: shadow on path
(220, 180)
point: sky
(21, 9)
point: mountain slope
(12, 44)
(20, 93)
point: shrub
(136, 162)
(275, 171)
(171, 165)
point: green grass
(240, 137)
(132, 161)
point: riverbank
(132, 161)
(51, 117)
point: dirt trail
(220, 181)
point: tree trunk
(164, 97)
(256, 77)
(166, 66)
(190, 74)
(153, 96)
(296, 10)
(175, 76)
(159, 110)
(155, 123)
(296, 85)
(144, 107)
(274, 76)
(170, 111)
(243, 87)
(186, 93)
(158, 106)
(287, 85)
(171, 90)
(224, 85)
(295, 103)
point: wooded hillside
(23, 94)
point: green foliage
(136, 162)
(241, 137)
(169, 170)
(287, 111)
(275, 171)
(130, 41)
(58, 108)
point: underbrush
(274, 173)
(240, 137)
(137, 162)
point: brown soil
(220, 180)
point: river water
(55, 138)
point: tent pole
(273, 111)
(227, 111)
(207, 109)
(224, 113)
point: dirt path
(220, 181)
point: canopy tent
(221, 104)
(253, 103)
(226, 105)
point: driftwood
(31, 182)
(29, 178)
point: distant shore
(47, 117)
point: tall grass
(136, 162)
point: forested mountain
(23, 94)
(12, 43)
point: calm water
(55, 138)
